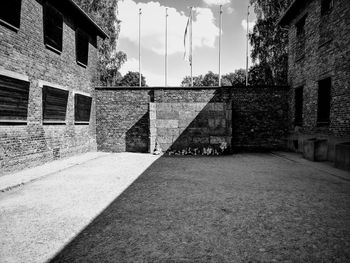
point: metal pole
(247, 54)
(166, 47)
(140, 13)
(220, 45)
(191, 48)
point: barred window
(53, 28)
(14, 96)
(10, 13)
(54, 105)
(82, 109)
(82, 47)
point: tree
(104, 13)
(260, 74)
(236, 78)
(132, 79)
(269, 40)
(210, 79)
(197, 81)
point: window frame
(59, 89)
(300, 26)
(48, 40)
(329, 7)
(81, 37)
(10, 24)
(323, 116)
(19, 79)
(76, 96)
(298, 113)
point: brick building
(48, 56)
(319, 72)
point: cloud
(153, 26)
(152, 79)
(230, 10)
(251, 24)
(217, 2)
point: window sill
(300, 58)
(8, 25)
(322, 124)
(81, 64)
(12, 122)
(53, 49)
(47, 122)
(82, 123)
(324, 43)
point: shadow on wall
(137, 137)
(200, 125)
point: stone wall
(23, 53)
(183, 120)
(327, 53)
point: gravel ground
(241, 208)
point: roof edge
(286, 15)
(100, 31)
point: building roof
(291, 12)
(71, 7)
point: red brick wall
(24, 52)
(322, 60)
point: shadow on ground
(241, 208)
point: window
(300, 45)
(53, 25)
(10, 13)
(54, 105)
(326, 6)
(300, 25)
(298, 102)
(82, 109)
(13, 100)
(82, 47)
(324, 102)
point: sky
(205, 37)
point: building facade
(48, 58)
(319, 72)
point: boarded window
(82, 47)
(326, 6)
(10, 12)
(82, 108)
(53, 25)
(13, 100)
(300, 45)
(54, 105)
(324, 101)
(298, 114)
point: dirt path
(241, 208)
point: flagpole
(220, 45)
(166, 47)
(247, 52)
(191, 47)
(140, 13)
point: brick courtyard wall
(134, 119)
(24, 53)
(327, 53)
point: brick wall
(327, 53)
(24, 52)
(133, 119)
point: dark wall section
(134, 119)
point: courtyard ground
(239, 208)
